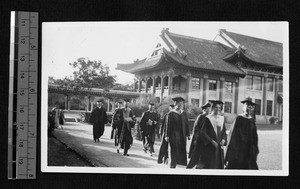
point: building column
(188, 86)
(69, 102)
(236, 95)
(113, 105)
(139, 85)
(276, 87)
(66, 101)
(92, 105)
(221, 94)
(170, 83)
(264, 100)
(201, 101)
(153, 82)
(134, 87)
(205, 82)
(162, 88)
(146, 87)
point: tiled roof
(200, 54)
(139, 65)
(259, 50)
(204, 54)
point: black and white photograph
(188, 98)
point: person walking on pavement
(126, 139)
(214, 137)
(149, 122)
(98, 119)
(197, 142)
(177, 130)
(242, 147)
(117, 122)
(163, 149)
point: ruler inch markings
(23, 104)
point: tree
(91, 74)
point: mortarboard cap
(178, 99)
(248, 100)
(214, 102)
(151, 103)
(205, 105)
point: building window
(228, 87)
(257, 82)
(249, 81)
(258, 106)
(269, 107)
(195, 83)
(212, 85)
(227, 108)
(195, 102)
(269, 84)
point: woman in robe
(197, 142)
(242, 148)
(214, 137)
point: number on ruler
(22, 75)
(22, 92)
(21, 144)
(21, 127)
(21, 161)
(22, 58)
(31, 90)
(22, 110)
(23, 23)
(23, 41)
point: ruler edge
(12, 83)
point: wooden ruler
(23, 88)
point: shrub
(193, 111)
(272, 120)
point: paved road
(78, 136)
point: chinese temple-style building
(202, 70)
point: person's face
(178, 105)
(120, 105)
(151, 107)
(126, 104)
(170, 108)
(207, 109)
(99, 104)
(248, 108)
(216, 109)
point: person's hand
(222, 142)
(167, 139)
(214, 144)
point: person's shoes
(98, 140)
(151, 154)
(159, 161)
(125, 154)
(118, 151)
(94, 140)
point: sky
(124, 42)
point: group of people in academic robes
(211, 147)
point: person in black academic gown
(163, 149)
(117, 122)
(242, 148)
(177, 130)
(126, 139)
(149, 122)
(99, 119)
(197, 142)
(214, 137)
